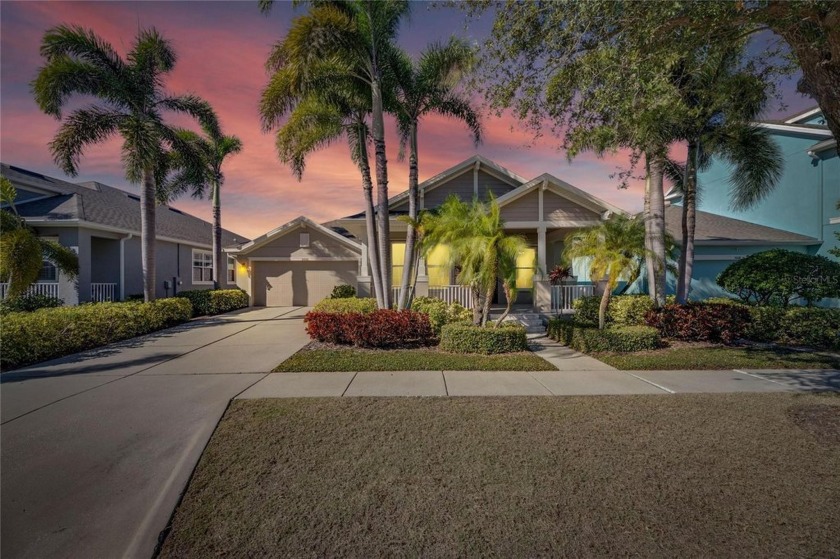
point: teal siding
(830, 177)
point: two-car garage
(297, 264)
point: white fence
(453, 294)
(47, 289)
(563, 296)
(395, 294)
(101, 292)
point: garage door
(283, 284)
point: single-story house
(102, 225)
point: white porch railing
(453, 294)
(395, 294)
(47, 289)
(564, 296)
(101, 292)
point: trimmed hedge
(587, 338)
(215, 301)
(699, 322)
(380, 328)
(624, 310)
(468, 338)
(29, 303)
(440, 312)
(49, 333)
(812, 327)
(349, 305)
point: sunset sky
(222, 47)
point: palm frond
(62, 257)
(81, 128)
(757, 162)
(81, 44)
(196, 107)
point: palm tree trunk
(477, 306)
(509, 298)
(370, 221)
(411, 234)
(488, 300)
(689, 210)
(383, 212)
(605, 301)
(219, 265)
(648, 245)
(147, 233)
(655, 230)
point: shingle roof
(717, 228)
(105, 205)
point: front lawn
(320, 359)
(697, 356)
(737, 475)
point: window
(48, 273)
(437, 266)
(202, 268)
(397, 263)
(231, 270)
(526, 263)
(304, 240)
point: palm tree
(132, 102)
(22, 252)
(423, 87)
(357, 36)
(478, 245)
(213, 149)
(615, 247)
(723, 101)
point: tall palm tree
(324, 103)
(615, 247)
(213, 149)
(723, 101)
(22, 252)
(359, 36)
(428, 86)
(132, 101)
(478, 245)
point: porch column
(363, 281)
(421, 288)
(542, 272)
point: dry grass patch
(652, 476)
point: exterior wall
(557, 208)
(106, 254)
(463, 186)
(171, 260)
(524, 208)
(830, 176)
(320, 246)
(795, 204)
(69, 237)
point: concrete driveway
(97, 447)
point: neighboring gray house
(102, 224)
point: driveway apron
(97, 447)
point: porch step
(533, 322)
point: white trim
(564, 190)
(299, 221)
(718, 257)
(302, 259)
(553, 224)
(757, 242)
(802, 116)
(122, 265)
(822, 133)
(109, 229)
(834, 220)
(192, 267)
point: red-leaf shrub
(700, 322)
(381, 328)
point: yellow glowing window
(525, 264)
(437, 266)
(397, 262)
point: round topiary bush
(468, 338)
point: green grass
(736, 475)
(347, 359)
(686, 358)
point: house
(102, 224)
(800, 214)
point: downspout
(122, 264)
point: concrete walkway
(97, 447)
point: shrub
(586, 309)
(812, 327)
(343, 292)
(440, 312)
(29, 303)
(779, 276)
(697, 322)
(722, 301)
(351, 305)
(587, 338)
(48, 333)
(215, 301)
(379, 328)
(765, 323)
(467, 338)
(629, 310)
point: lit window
(202, 268)
(397, 262)
(437, 266)
(48, 273)
(231, 270)
(526, 262)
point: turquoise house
(800, 214)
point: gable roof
(797, 118)
(288, 228)
(94, 204)
(717, 229)
(561, 188)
